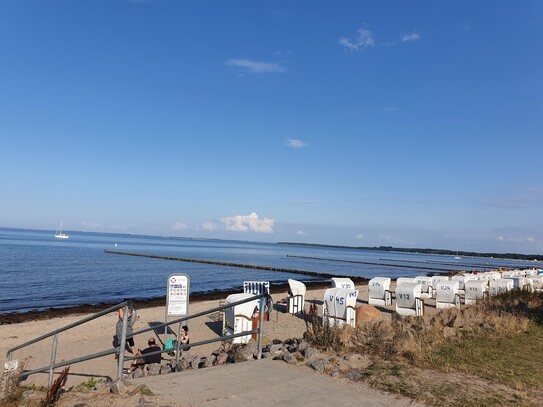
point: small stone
(309, 352)
(165, 369)
(319, 365)
(153, 369)
(354, 375)
(290, 358)
(118, 387)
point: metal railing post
(178, 344)
(260, 324)
(53, 359)
(122, 344)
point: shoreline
(50, 313)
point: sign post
(177, 299)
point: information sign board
(177, 298)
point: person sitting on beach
(148, 359)
(185, 340)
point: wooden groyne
(248, 266)
(441, 270)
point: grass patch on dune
(488, 354)
(514, 360)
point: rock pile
(292, 351)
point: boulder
(366, 312)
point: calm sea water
(38, 271)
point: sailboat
(59, 234)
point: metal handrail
(67, 327)
(53, 365)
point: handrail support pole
(122, 343)
(53, 359)
(260, 324)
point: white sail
(59, 234)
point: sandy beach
(97, 335)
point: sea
(39, 272)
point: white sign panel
(177, 299)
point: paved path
(264, 383)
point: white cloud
(359, 236)
(209, 226)
(179, 226)
(516, 239)
(251, 222)
(295, 143)
(256, 66)
(301, 233)
(411, 37)
(363, 40)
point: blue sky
(363, 123)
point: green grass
(514, 360)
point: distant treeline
(515, 256)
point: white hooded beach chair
(500, 286)
(530, 272)
(238, 318)
(462, 278)
(522, 283)
(447, 294)
(436, 280)
(257, 288)
(403, 280)
(347, 283)
(475, 290)
(408, 301)
(537, 282)
(296, 297)
(493, 275)
(339, 307)
(379, 291)
(427, 287)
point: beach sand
(97, 335)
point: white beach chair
(509, 274)
(379, 291)
(296, 297)
(475, 290)
(238, 318)
(493, 275)
(462, 278)
(500, 286)
(427, 288)
(522, 283)
(257, 288)
(346, 283)
(530, 272)
(436, 280)
(447, 295)
(339, 307)
(408, 301)
(403, 280)
(537, 282)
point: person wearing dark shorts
(132, 317)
